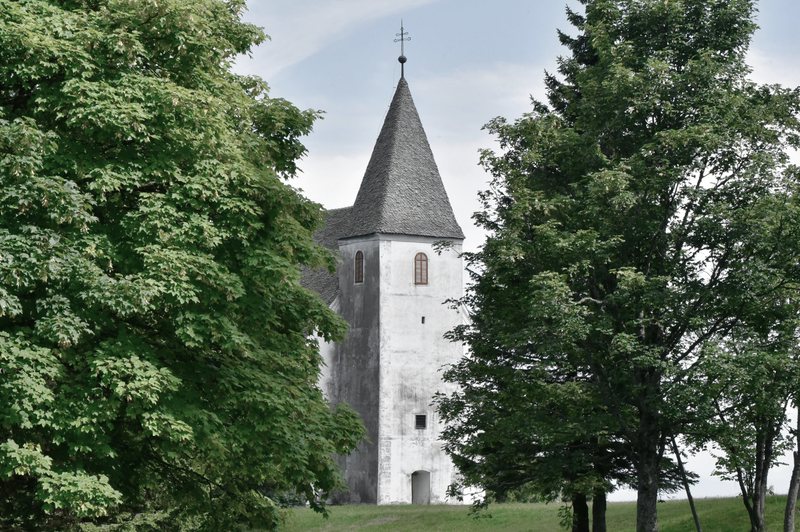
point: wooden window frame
(421, 269)
(359, 267)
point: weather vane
(402, 39)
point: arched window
(359, 267)
(421, 269)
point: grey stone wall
(357, 362)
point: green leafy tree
(751, 434)
(794, 481)
(643, 216)
(156, 347)
(513, 425)
(747, 391)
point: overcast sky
(468, 62)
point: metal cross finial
(402, 39)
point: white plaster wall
(412, 356)
(327, 351)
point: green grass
(716, 515)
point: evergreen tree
(634, 225)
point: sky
(468, 61)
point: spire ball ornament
(402, 39)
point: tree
(156, 349)
(516, 427)
(748, 388)
(642, 216)
(794, 481)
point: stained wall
(413, 354)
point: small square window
(420, 421)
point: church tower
(391, 288)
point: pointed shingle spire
(402, 192)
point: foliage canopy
(156, 347)
(637, 224)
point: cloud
(332, 180)
(300, 28)
(462, 101)
(773, 68)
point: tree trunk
(647, 498)
(580, 513)
(599, 510)
(746, 497)
(648, 469)
(686, 485)
(766, 462)
(794, 483)
(755, 501)
(791, 500)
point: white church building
(390, 287)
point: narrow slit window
(421, 269)
(359, 267)
(420, 421)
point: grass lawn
(716, 515)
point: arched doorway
(420, 487)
